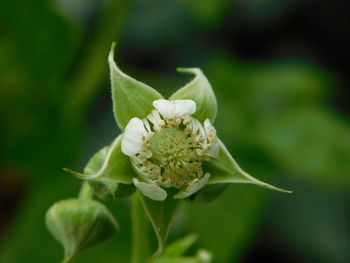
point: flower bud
(79, 224)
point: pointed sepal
(109, 172)
(200, 91)
(131, 98)
(225, 170)
(161, 215)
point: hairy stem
(139, 231)
(86, 191)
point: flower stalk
(140, 241)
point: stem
(86, 191)
(93, 65)
(68, 258)
(139, 231)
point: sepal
(200, 91)
(224, 170)
(161, 215)
(107, 170)
(131, 98)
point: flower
(166, 144)
(168, 147)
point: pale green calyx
(168, 147)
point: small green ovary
(178, 156)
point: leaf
(179, 247)
(131, 98)
(224, 169)
(160, 214)
(107, 169)
(200, 91)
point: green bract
(166, 144)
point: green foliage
(174, 252)
(273, 116)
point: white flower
(168, 147)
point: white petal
(209, 128)
(155, 119)
(192, 188)
(134, 137)
(151, 190)
(214, 149)
(175, 108)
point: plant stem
(139, 231)
(86, 191)
(93, 65)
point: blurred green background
(280, 73)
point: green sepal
(161, 215)
(225, 170)
(106, 170)
(79, 224)
(200, 91)
(131, 98)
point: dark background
(280, 72)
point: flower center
(178, 156)
(168, 147)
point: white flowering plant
(168, 151)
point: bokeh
(279, 69)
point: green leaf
(131, 98)
(174, 253)
(161, 214)
(107, 169)
(200, 91)
(224, 169)
(79, 224)
(179, 247)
